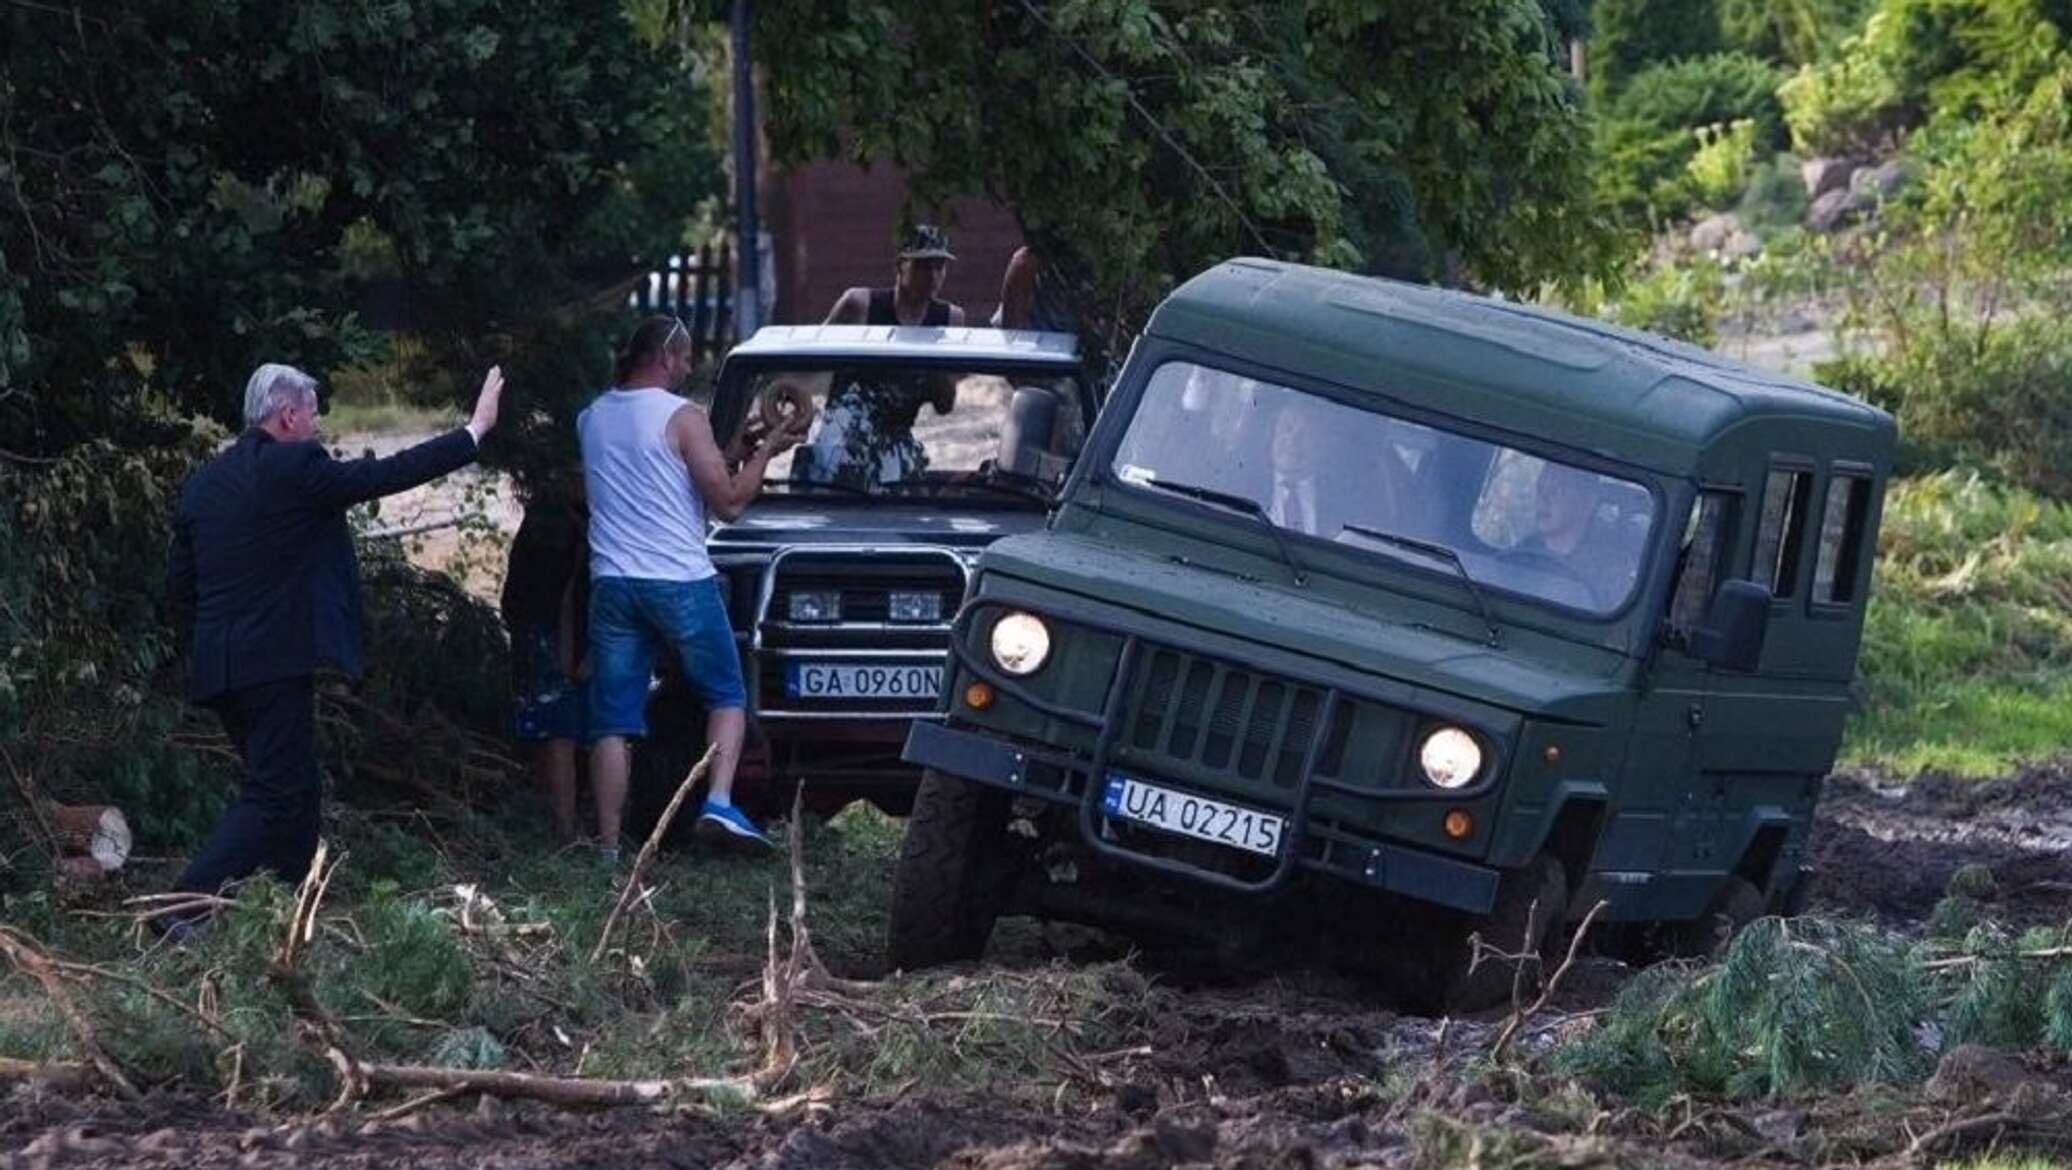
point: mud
(1886, 851)
(1298, 1071)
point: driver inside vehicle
(1570, 539)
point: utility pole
(748, 305)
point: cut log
(98, 831)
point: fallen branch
(31, 962)
(63, 1075)
(1519, 1017)
(647, 851)
(2046, 954)
(1956, 1129)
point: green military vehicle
(1404, 615)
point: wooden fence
(699, 290)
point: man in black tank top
(866, 431)
(923, 265)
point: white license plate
(1193, 816)
(847, 680)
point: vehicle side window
(1841, 539)
(1778, 537)
(1704, 553)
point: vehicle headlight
(914, 607)
(1020, 643)
(815, 605)
(1450, 757)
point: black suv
(843, 577)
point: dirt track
(1297, 1072)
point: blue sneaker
(723, 825)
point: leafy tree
(191, 188)
(1627, 36)
(1139, 141)
(1798, 32)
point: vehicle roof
(1585, 384)
(960, 343)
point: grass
(1967, 658)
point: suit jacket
(263, 559)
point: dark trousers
(275, 820)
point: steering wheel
(782, 402)
(1553, 566)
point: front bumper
(1307, 844)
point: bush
(1775, 198)
(1704, 91)
(1680, 301)
(1627, 36)
(1916, 60)
(1797, 31)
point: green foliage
(1917, 59)
(1649, 136)
(1719, 171)
(196, 188)
(1775, 199)
(1627, 36)
(1964, 292)
(412, 960)
(1794, 1006)
(1202, 129)
(1705, 91)
(1675, 300)
(1799, 32)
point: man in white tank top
(653, 473)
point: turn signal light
(1458, 823)
(978, 696)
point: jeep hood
(1177, 600)
(947, 520)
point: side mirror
(1735, 626)
(1025, 436)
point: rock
(1879, 183)
(1823, 175)
(1832, 210)
(1970, 1073)
(1712, 233)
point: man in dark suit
(263, 562)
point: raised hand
(486, 402)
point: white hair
(273, 387)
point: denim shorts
(632, 617)
(547, 703)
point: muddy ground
(1303, 1070)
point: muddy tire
(1737, 904)
(1534, 897)
(948, 884)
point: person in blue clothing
(653, 473)
(262, 567)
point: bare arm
(725, 494)
(851, 308)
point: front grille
(1189, 716)
(1222, 718)
(866, 582)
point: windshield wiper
(990, 483)
(1438, 552)
(829, 484)
(1235, 503)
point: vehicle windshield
(887, 428)
(1325, 470)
